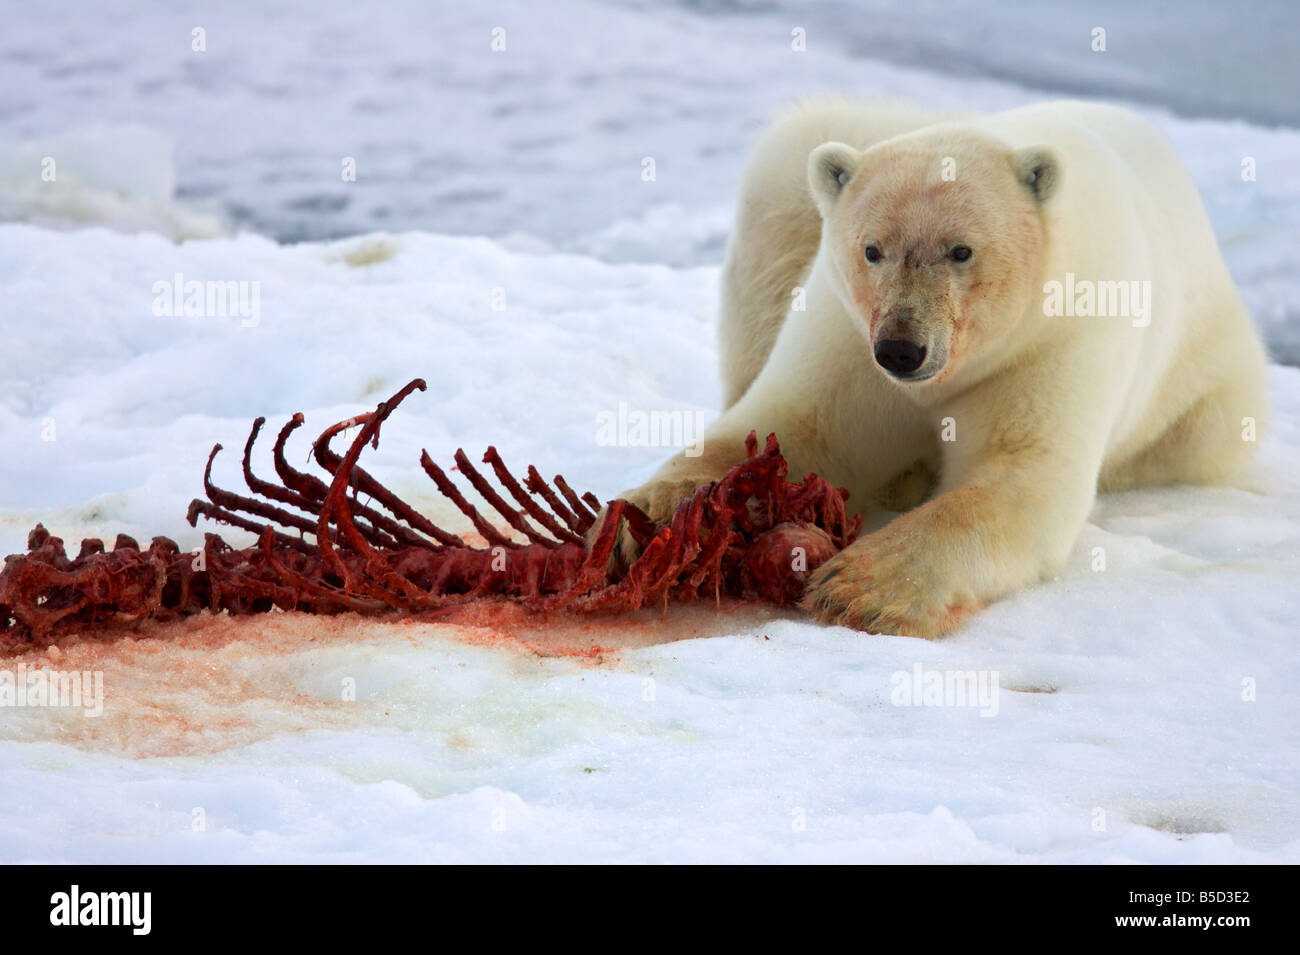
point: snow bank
(122, 177)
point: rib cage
(321, 550)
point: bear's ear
(1038, 170)
(830, 167)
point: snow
(500, 243)
(121, 174)
(771, 739)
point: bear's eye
(961, 253)
(873, 253)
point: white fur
(1045, 409)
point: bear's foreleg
(1004, 519)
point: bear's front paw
(659, 500)
(885, 592)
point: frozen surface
(1122, 731)
(501, 242)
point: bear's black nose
(899, 357)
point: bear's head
(935, 241)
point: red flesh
(321, 551)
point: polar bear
(980, 322)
